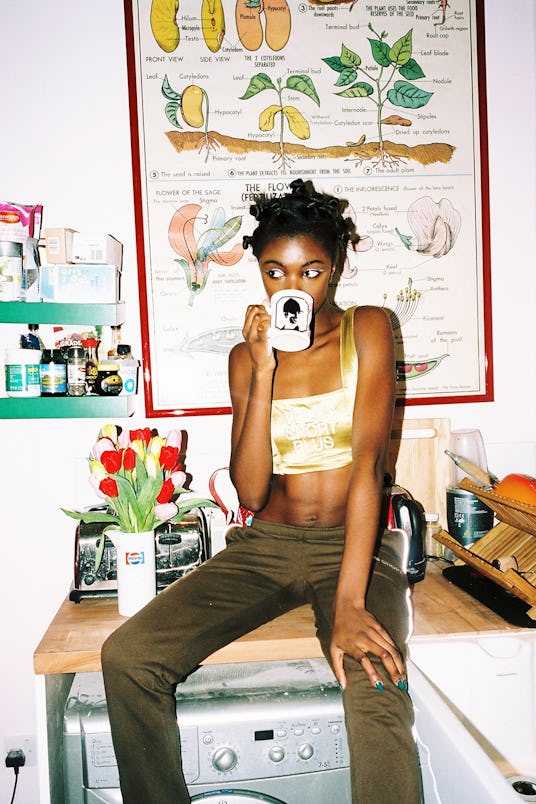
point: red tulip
(129, 459)
(143, 434)
(108, 486)
(111, 460)
(166, 492)
(169, 457)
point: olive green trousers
(265, 570)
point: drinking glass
(468, 444)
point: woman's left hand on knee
(358, 634)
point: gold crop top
(314, 433)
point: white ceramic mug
(291, 313)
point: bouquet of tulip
(138, 474)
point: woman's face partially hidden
(296, 263)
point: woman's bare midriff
(314, 499)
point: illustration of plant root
(193, 105)
(380, 86)
(295, 120)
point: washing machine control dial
(224, 758)
(276, 753)
(305, 751)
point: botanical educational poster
(377, 103)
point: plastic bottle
(128, 369)
(22, 370)
(76, 371)
(432, 547)
(53, 373)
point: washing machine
(254, 733)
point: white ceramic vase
(136, 571)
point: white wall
(64, 141)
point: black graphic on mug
(292, 315)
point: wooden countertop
(74, 638)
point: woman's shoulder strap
(348, 350)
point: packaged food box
(59, 245)
(97, 248)
(78, 284)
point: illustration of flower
(364, 243)
(435, 227)
(138, 474)
(197, 252)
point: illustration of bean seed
(278, 24)
(248, 24)
(213, 24)
(163, 25)
(192, 106)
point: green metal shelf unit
(64, 407)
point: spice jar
(108, 382)
(76, 371)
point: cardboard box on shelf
(59, 245)
(79, 284)
(102, 249)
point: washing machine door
(235, 797)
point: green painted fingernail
(402, 685)
(379, 686)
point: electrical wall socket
(22, 742)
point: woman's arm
(251, 370)
(355, 630)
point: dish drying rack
(507, 553)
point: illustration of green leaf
(171, 113)
(227, 231)
(400, 53)
(411, 70)
(297, 122)
(257, 84)
(359, 90)
(168, 91)
(408, 96)
(302, 83)
(406, 239)
(335, 63)
(349, 58)
(346, 77)
(267, 117)
(380, 52)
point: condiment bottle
(128, 369)
(53, 373)
(432, 547)
(76, 371)
(91, 346)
